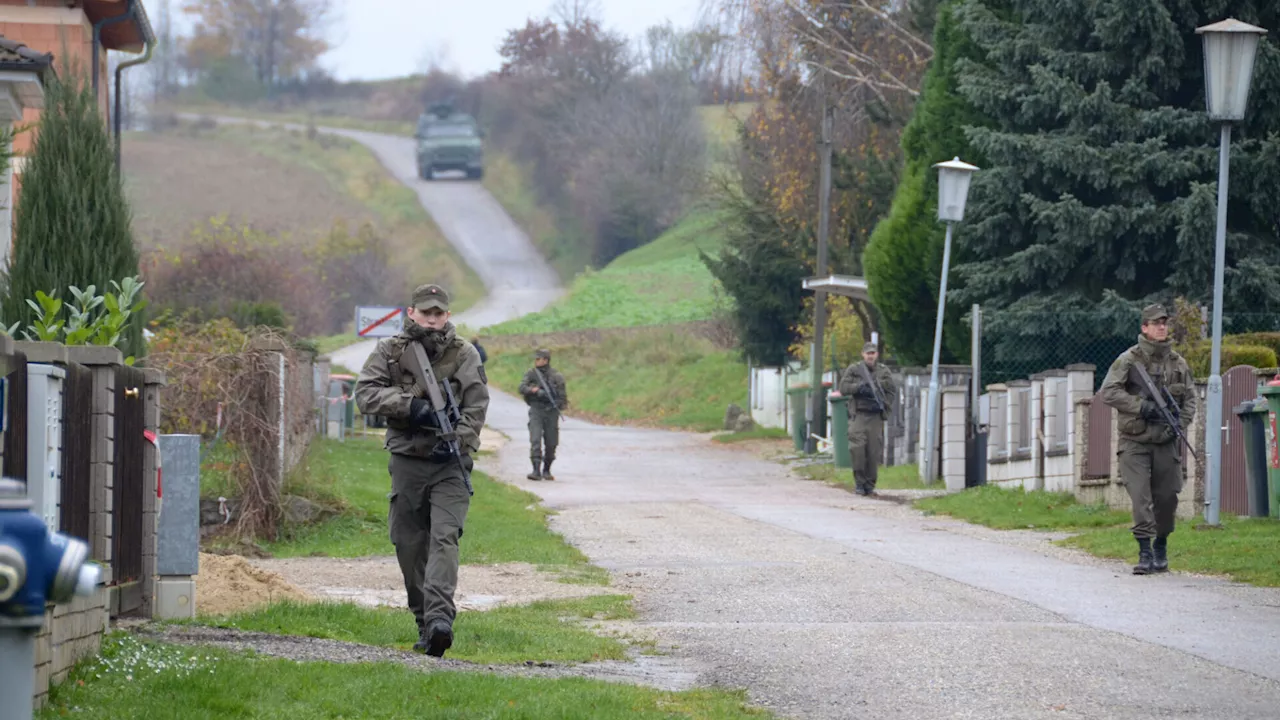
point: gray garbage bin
(1253, 417)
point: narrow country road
(517, 278)
(827, 605)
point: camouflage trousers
(544, 434)
(866, 445)
(428, 508)
(1153, 476)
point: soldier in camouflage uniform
(867, 415)
(1149, 452)
(429, 497)
(544, 390)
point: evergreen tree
(73, 222)
(903, 261)
(1099, 188)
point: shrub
(1262, 339)
(1198, 357)
(72, 219)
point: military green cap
(870, 347)
(543, 354)
(1153, 312)
(427, 297)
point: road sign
(378, 321)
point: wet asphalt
(823, 604)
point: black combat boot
(546, 471)
(421, 645)
(1160, 561)
(439, 637)
(535, 475)
(1144, 566)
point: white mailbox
(44, 440)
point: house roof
(17, 56)
(131, 36)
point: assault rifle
(542, 383)
(876, 392)
(443, 405)
(1169, 409)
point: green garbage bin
(1253, 419)
(840, 431)
(797, 397)
(1271, 391)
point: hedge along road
(827, 605)
(517, 278)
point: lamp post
(953, 191)
(1230, 47)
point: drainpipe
(146, 56)
(128, 14)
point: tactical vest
(445, 367)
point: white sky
(390, 38)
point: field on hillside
(664, 282)
(281, 182)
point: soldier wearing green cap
(1149, 452)
(543, 389)
(429, 497)
(871, 393)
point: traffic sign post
(378, 322)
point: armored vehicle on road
(449, 140)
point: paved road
(517, 278)
(827, 605)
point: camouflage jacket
(1123, 390)
(540, 400)
(385, 388)
(853, 382)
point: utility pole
(820, 297)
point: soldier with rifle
(1153, 391)
(869, 387)
(544, 390)
(432, 388)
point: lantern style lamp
(1230, 48)
(953, 192)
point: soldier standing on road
(429, 495)
(870, 390)
(484, 357)
(543, 388)
(1149, 449)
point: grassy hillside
(661, 283)
(282, 182)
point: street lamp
(1230, 47)
(953, 191)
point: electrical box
(44, 441)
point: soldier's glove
(1166, 435)
(420, 413)
(1150, 411)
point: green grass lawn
(894, 477)
(660, 377)
(504, 524)
(1242, 549)
(758, 433)
(661, 283)
(551, 631)
(166, 682)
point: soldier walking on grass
(1154, 395)
(430, 485)
(543, 388)
(870, 390)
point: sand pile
(228, 584)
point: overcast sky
(390, 38)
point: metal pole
(931, 419)
(1213, 398)
(17, 672)
(820, 297)
(975, 352)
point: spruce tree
(1098, 192)
(903, 260)
(72, 218)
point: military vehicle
(449, 140)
